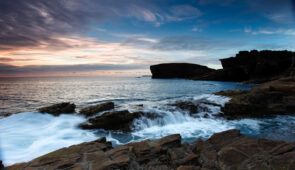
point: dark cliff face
(259, 65)
(178, 70)
(251, 66)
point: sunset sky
(125, 37)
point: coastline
(224, 150)
(186, 158)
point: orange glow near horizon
(88, 51)
(98, 73)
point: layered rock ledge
(270, 98)
(228, 150)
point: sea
(28, 134)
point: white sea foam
(28, 135)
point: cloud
(223, 3)
(270, 31)
(197, 29)
(7, 59)
(278, 11)
(185, 11)
(193, 43)
(38, 69)
(33, 23)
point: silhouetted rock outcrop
(259, 66)
(1, 165)
(228, 150)
(59, 108)
(251, 66)
(178, 70)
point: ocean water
(29, 134)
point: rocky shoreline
(270, 98)
(228, 150)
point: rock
(284, 161)
(66, 158)
(267, 99)
(190, 106)
(219, 140)
(228, 150)
(168, 141)
(186, 105)
(116, 120)
(231, 93)
(1, 165)
(247, 66)
(99, 154)
(259, 66)
(178, 70)
(92, 110)
(59, 108)
(235, 151)
(185, 167)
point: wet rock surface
(191, 107)
(267, 99)
(115, 120)
(228, 150)
(59, 108)
(92, 110)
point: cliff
(250, 66)
(178, 70)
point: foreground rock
(178, 70)
(230, 150)
(116, 120)
(271, 98)
(59, 108)
(227, 150)
(92, 110)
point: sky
(125, 37)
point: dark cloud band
(33, 69)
